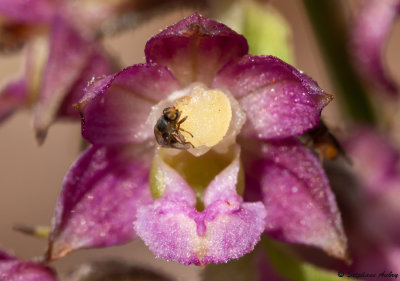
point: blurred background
(31, 175)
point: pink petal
(195, 48)
(98, 201)
(27, 10)
(13, 269)
(227, 229)
(301, 207)
(69, 54)
(115, 109)
(370, 31)
(279, 100)
(97, 65)
(12, 97)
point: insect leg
(183, 130)
(181, 139)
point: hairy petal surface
(39, 11)
(12, 268)
(279, 100)
(301, 207)
(371, 29)
(12, 97)
(115, 109)
(195, 48)
(98, 201)
(69, 54)
(227, 229)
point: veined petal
(27, 10)
(69, 54)
(98, 201)
(370, 31)
(301, 207)
(115, 109)
(195, 48)
(279, 100)
(227, 229)
(12, 268)
(12, 97)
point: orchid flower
(370, 32)
(243, 174)
(62, 57)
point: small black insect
(168, 132)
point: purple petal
(279, 100)
(12, 97)
(195, 48)
(12, 269)
(301, 207)
(115, 109)
(97, 65)
(227, 229)
(375, 159)
(27, 10)
(69, 54)
(98, 201)
(371, 29)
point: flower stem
(330, 27)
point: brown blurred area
(31, 176)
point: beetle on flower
(244, 175)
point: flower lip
(226, 229)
